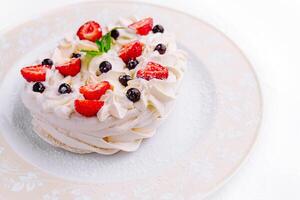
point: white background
(268, 31)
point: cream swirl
(120, 124)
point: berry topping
(142, 27)
(76, 55)
(91, 31)
(123, 79)
(88, 108)
(95, 91)
(47, 61)
(38, 87)
(133, 94)
(105, 66)
(71, 68)
(64, 88)
(114, 34)
(153, 70)
(34, 73)
(158, 29)
(131, 64)
(161, 48)
(131, 51)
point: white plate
(207, 136)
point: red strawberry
(88, 108)
(35, 73)
(71, 68)
(95, 91)
(153, 70)
(91, 31)
(131, 51)
(142, 27)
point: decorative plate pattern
(216, 155)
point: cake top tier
(108, 71)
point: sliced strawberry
(34, 73)
(131, 51)
(91, 31)
(153, 70)
(94, 91)
(142, 27)
(71, 68)
(88, 108)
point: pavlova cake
(105, 89)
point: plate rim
(257, 133)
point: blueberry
(133, 94)
(47, 61)
(131, 64)
(114, 34)
(161, 48)
(76, 55)
(38, 87)
(158, 29)
(105, 66)
(123, 79)
(64, 88)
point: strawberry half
(35, 73)
(142, 27)
(88, 108)
(71, 68)
(131, 51)
(91, 31)
(94, 91)
(153, 70)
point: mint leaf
(99, 45)
(105, 43)
(92, 53)
(89, 55)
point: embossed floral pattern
(27, 182)
(1, 150)
(53, 195)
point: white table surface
(268, 31)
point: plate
(206, 138)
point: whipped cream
(120, 125)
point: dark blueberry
(105, 66)
(123, 79)
(47, 61)
(64, 88)
(133, 94)
(158, 29)
(114, 34)
(76, 55)
(38, 87)
(161, 48)
(132, 64)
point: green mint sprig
(91, 53)
(103, 45)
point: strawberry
(131, 51)
(142, 27)
(88, 108)
(153, 70)
(91, 31)
(72, 68)
(94, 91)
(35, 73)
